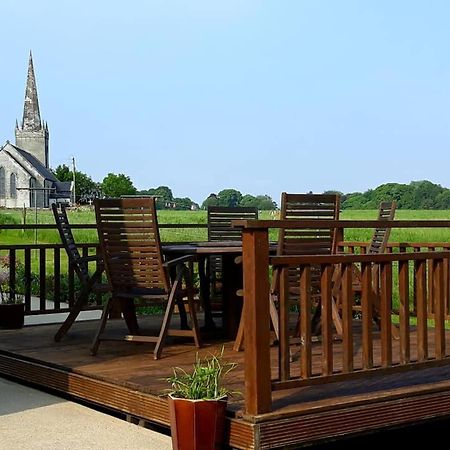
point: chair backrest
(219, 222)
(130, 242)
(380, 236)
(308, 207)
(65, 232)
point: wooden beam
(258, 395)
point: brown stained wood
(282, 260)
(284, 326)
(347, 317)
(331, 224)
(367, 314)
(132, 254)
(430, 278)
(42, 279)
(57, 276)
(403, 282)
(127, 380)
(305, 322)
(421, 298)
(439, 308)
(326, 300)
(385, 314)
(27, 256)
(255, 246)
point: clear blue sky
(261, 96)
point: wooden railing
(332, 361)
(41, 271)
(355, 247)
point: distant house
(25, 176)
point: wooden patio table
(232, 279)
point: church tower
(32, 135)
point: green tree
(265, 202)
(116, 185)
(212, 200)
(183, 203)
(85, 188)
(229, 197)
(249, 201)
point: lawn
(85, 215)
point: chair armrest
(92, 258)
(180, 260)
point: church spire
(31, 116)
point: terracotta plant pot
(12, 315)
(197, 424)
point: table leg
(205, 295)
(232, 303)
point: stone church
(25, 177)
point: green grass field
(199, 217)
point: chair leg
(167, 316)
(101, 327)
(128, 309)
(237, 347)
(192, 312)
(78, 306)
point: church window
(32, 192)
(13, 186)
(2, 183)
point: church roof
(37, 165)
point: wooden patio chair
(220, 229)
(90, 283)
(131, 248)
(377, 245)
(302, 242)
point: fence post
(255, 255)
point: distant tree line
(232, 197)
(416, 195)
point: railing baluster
(42, 279)
(326, 319)
(367, 314)
(305, 322)
(27, 275)
(385, 311)
(439, 324)
(57, 277)
(283, 349)
(12, 273)
(422, 329)
(430, 283)
(403, 286)
(347, 318)
(71, 284)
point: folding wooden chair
(378, 244)
(90, 283)
(131, 248)
(220, 229)
(302, 242)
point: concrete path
(31, 419)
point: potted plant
(12, 306)
(197, 404)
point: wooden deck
(124, 377)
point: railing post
(255, 255)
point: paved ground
(31, 419)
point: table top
(205, 247)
